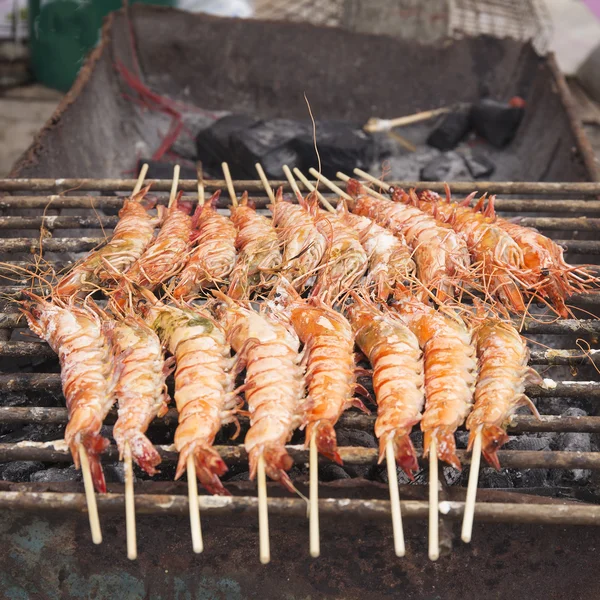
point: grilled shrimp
(303, 244)
(204, 384)
(450, 372)
(345, 260)
(258, 250)
(441, 256)
(165, 257)
(397, 361)
(390, 259)
(130, 238)
(274, 385)
(213, 258)
(500, 390)
(76, 335)
(493, 251)
(141, 389)
(330, 369)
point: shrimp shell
(258, 250)
(450, 372)
(77, 336)
(141, 389)
(397, 361)
(204, 384)
(330, 373)
(500, 390)
(213, 258)
(274, 386)
(130, 238)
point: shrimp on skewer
(441, 256)
(397, 361)
(140, 389)
(500, 390)
(130, 238)
(213, 257)
(274, 385)
(303, 244)
(77, 336)
(450, 373)
(390, 259)
(258, 250)
(204, 384)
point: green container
(62, 32)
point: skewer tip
(196, 529)
(434, 541)
(90, 496)
(263, 513)
(129, 505)
(399, 546)
(469, 514)
(315, 542)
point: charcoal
(19, 470)
(342, 146)
(193, 124)
(451, 475)
(491, 478)
(448, 166)
(54, 474)
(356, 437)
(535, 441)
(451, 129)
(479, 164)
(273, 162)
(496, 122)
(213, 144)
(164, 170)
(529, 478)
(573, 442)
(115, 473)
(243, 476)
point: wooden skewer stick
(392, 473)
(311, 188)
(313, 515)
(469, 515)
(174, 185)
(334, 188)
(140, 179)
(265, 182)
(292, 181)
(229, 183)
(263, 513)
(369, 177)
(375, 124)
(197, 543)
(129, 505)
(201, 198)
(434, 537)
(90, 496)
(368, 190)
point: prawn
(274, 385)
(397, 361)
(258, 250)
(204, 385)
(213, 257)
(130, 238)
(77, 335)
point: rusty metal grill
(563, 210)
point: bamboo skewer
(313, 515)
(201, 198)
(140, 179)
(229, 182)
(311, 188)
(292, 181)
(374, 124)
(434, 537)
(334, 188)
(174, 185)
(90, 496)
(129, 505)
(197, 542)
(263, 513)
(392, 473)
(369, 191)
(265, 182)
(469, 515)
(372, 179)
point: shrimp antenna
(469, 514)
(140, 180)
(265, 182)
(434, 536)
(263, 513)
(311, 188)
(200, 175)
(90, 495)
(229, 183)
(129, 505)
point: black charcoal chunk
(54, 474)
(19, 470)
(193, 124)
(496, 122)
(115, 473)
(451, 129)
(164, 170)
(448, 166)
(356, 437)
(479, 164)
(491, 478)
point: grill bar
(57, 451)
(169, 504)
(518, 424)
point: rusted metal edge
(518, 423)
(60, 185)
(568, 513)
(57, 451)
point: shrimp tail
(209, 467)
(508, 290)
(325, 438)
(492, 439)
(446, 445)
(144, 453)
(277, 462)
(404, 451)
